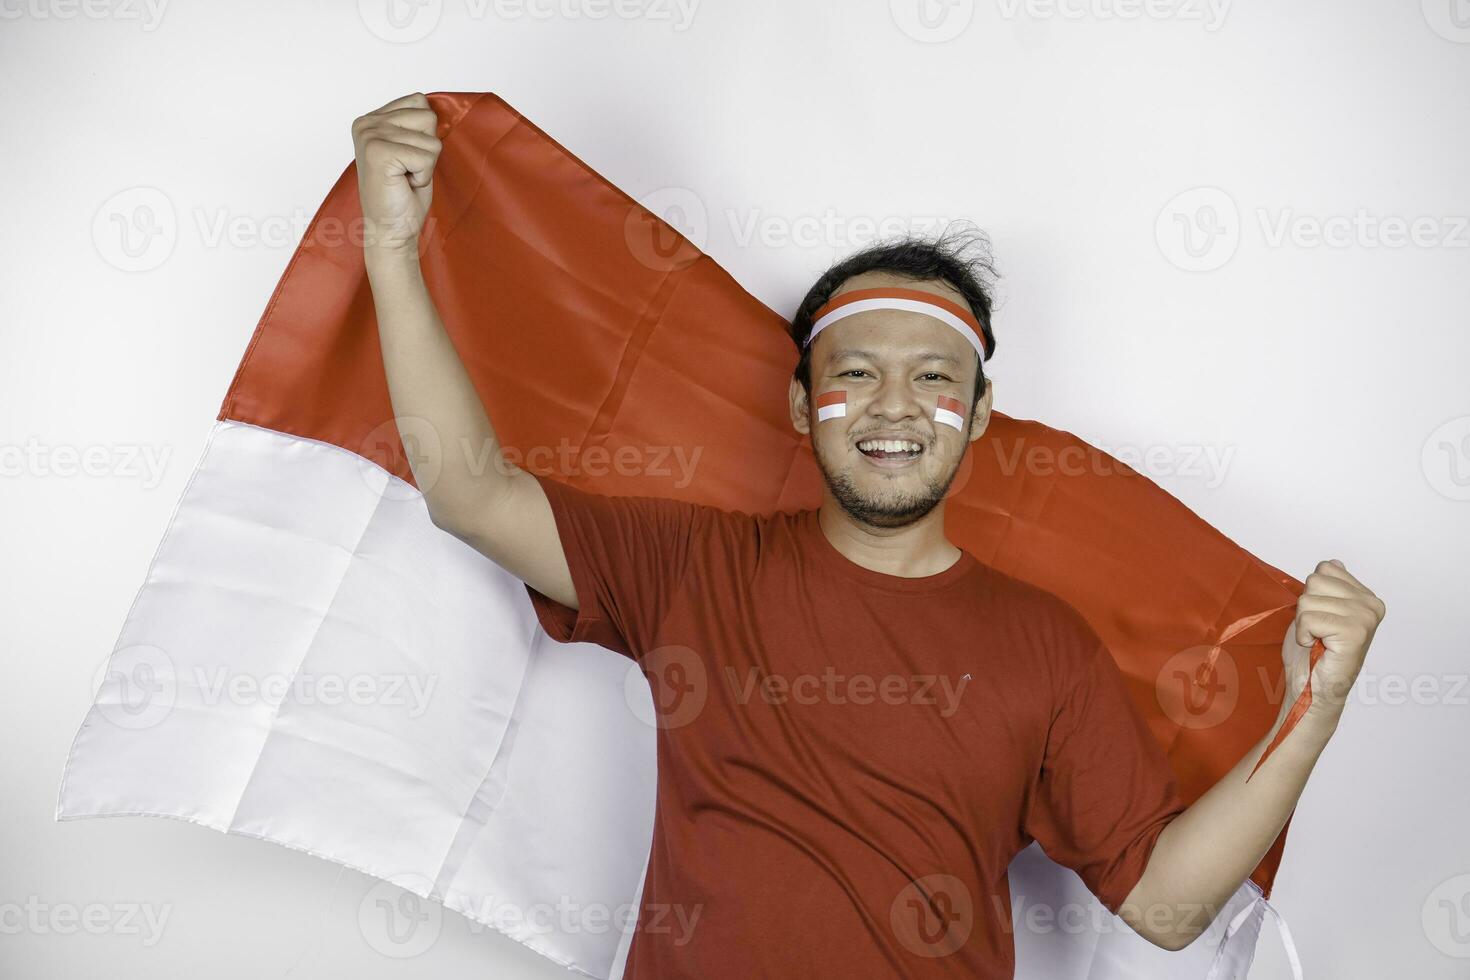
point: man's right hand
(396, 149)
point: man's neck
(911, 551)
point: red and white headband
(896, 298)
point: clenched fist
(1344, 614)
(396, 149)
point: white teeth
(889, 445)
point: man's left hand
(1344, 614)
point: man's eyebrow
(867, 355)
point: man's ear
(800, 409)
(980, 414)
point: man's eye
(852, 371)
(935, 375)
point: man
(860, 724)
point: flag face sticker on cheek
(831, 405)
(950, 411)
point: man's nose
(896, 399)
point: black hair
(960, 258)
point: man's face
(893, 365)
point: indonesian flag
(311, 662)
(831, 405)
(950, 411)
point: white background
(1327, 378)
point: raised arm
(470, 489)
(1206, 853)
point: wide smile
(890, 453)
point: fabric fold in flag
(311, 662)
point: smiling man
(859, 724)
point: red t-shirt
(849, 760)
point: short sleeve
(627, 556)
(1105, 791)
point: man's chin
(883, 509)
(885, 499)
